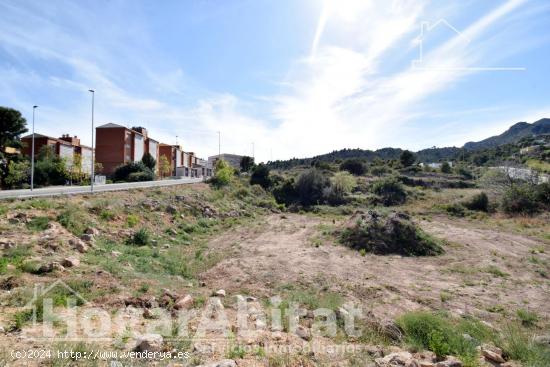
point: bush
(149, 161)
(73, 219)
(354, 166)
(388, 234)
(407, 158)
(140, 238)
(542, 195)
(285, 192)
(342, 184)
(445, 167)
(455, 209)
(223, 174)
(520, 199)
(49, 169)
(479, 202)
(247, 163)
(311, 186)
(134, 171)
(389, 191)
(260, 176)
(426, 330)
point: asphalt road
(70, 190)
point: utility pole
(32, 149)
(219, 143)
(93, 152)
(253, 155)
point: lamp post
(32, 149)
(93, 153)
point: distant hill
(512, 135)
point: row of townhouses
(117, 145)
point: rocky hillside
(513, 134)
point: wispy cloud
(352, 87)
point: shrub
(149, 161)
(520, 199)
(455, 209)
(542, 194)
(134, 171)
(49, 168)
(426, 330)
(390, 191)
(407, 158)
(286, 192)
(342, 184)
(354, 166)
(527, 318)
(445, 167)
(388, 234)
(247, 163)
(223, 174)
(140, 238)
(311, 186)
(260, 176)
(73, 219)
(132, 220)
(479, 202)
(38, 223)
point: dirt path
(484, 272)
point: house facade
(66, 147)
(117, 145)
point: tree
(149, 161)
(260, 176)
(18, 173)
(134, 171)
(49, 168)
(98, 168)
(223, 173)
(446, 167)
(354, 166)
(311, 186)
(12, 125)
(164, 166)
(407, 158)
(247, 163)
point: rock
(220, 293)
(81, 247)
(449, 362)
(179, 198)
(92, 231)
(116, 253)
(148, 314)
(277, 335)
(171, 209)
(395, 359)
(2, 330)
(6, 244)
(10, 282)
(492, 354)
(47, 268)
(240, 298)
(303, 333)
(169, 293)
(140, 302)
(149, 343)
(184, 303)
(542, 339)
(70, 262)
(511, 364)
(87, 237)
(251, 299)
(216, 303)
(166, 245)
(223, 363)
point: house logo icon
(42, 295)
(458, 38)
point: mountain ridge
(513, 134)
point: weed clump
(384, 234)
(479, 202)
(389, 191)
(140, 238)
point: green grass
(494, 270)
(527, 318)
(132, 220)
(518, 345)
(14, 256)
(443, 336)
(74, 219)
(38, 224)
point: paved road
(68, 190)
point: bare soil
(487, 273)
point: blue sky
(294, 77)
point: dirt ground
(486, 273)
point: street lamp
(32, 149)
(93, 155)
